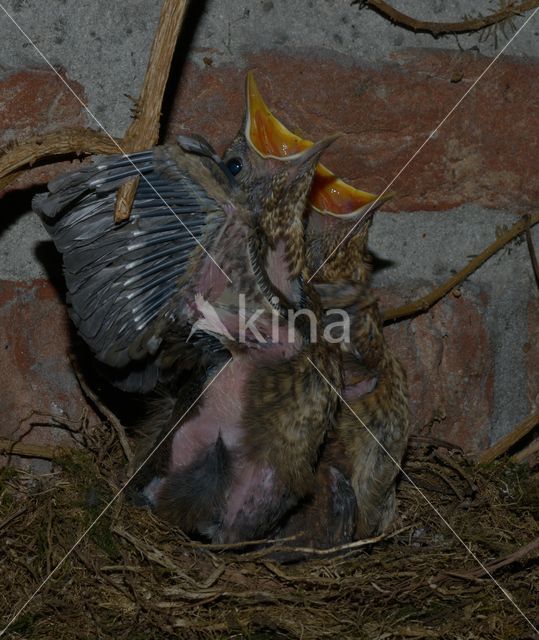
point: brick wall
(472, 360)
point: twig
(533, 256)
(13, 448)
(150, 552)
(439, 28)
(503, 445)
(60, 143)
(513, 557)
(144, 130)
(492, 566)
(426, 302)
(12, 517)
(95, 570)
(446, 459)
(438, 473)
(224, 546)
(107, 413)
(315, 551)
(528, 451)
(273, 544)
(430, 441)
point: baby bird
(245, 454)
(373, 424)
(259, 427)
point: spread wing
(120, 277)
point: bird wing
(120, 277)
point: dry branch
(533, 256)
(315, 551)
(527, 452)
(75, 141)
(109, 416)
(14, 448)
(516, 556)
(426, 302)
(510, 439)
(440, 28)
(144, 130)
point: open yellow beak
(271, 139)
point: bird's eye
(234, 165)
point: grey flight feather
(120, 277)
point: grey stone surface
(18, 243)
(102, 45)
(230, 27)
(105, 46)
(426, 249)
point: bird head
(277, 188)
(338, 215)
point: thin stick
(503, 445)
(60, 143)
(107, 413)
(498, 564)
(426, 302)
(439, 28)
(317, 551)
(533, 256)
(513, 557)
(12, 517)
(528, 451)
(144, 130)
(13, 448)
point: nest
(132, 576)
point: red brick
(36, 101)
(450, 366)
(34, 366)
(33, 102)
(481, 154)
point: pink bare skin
(220, 413)
(234, 506)
(353, 392)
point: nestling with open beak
(263, 419)
(243, 456)
(375, 416)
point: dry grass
(133, 577)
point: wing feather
(120, 278)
